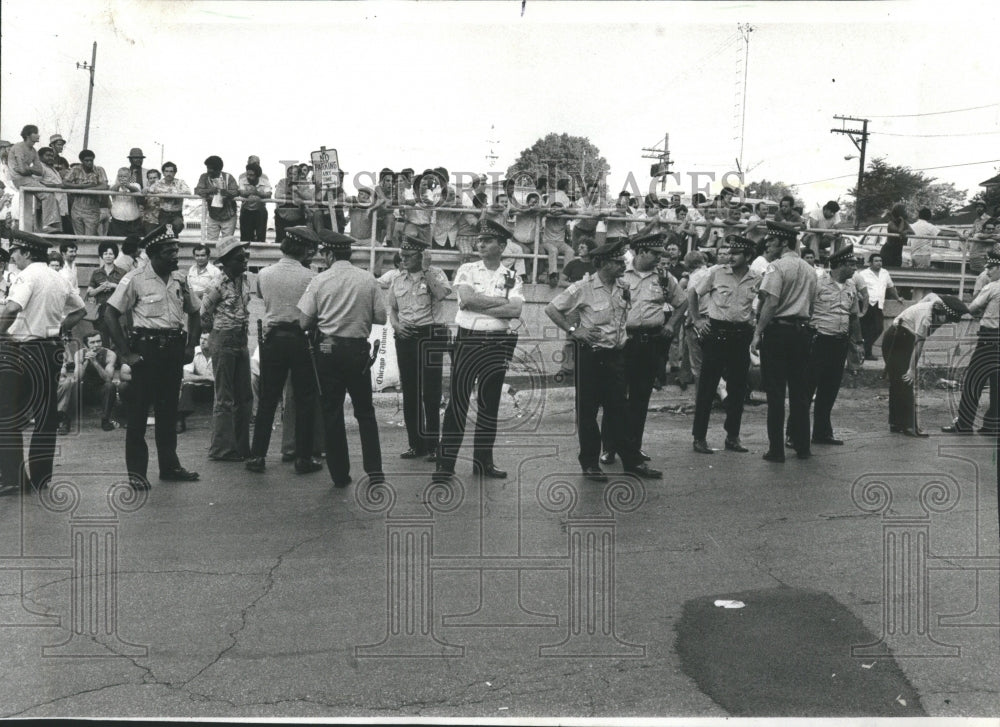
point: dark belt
(834, 336)
(429, 328)
(790, 322)
(734, 326)
(645, 335)
(465, 332)
(159, 333)
(343, 340)
(290, 326)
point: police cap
(781, 230)
(651, 240)
(740, 244)
(331, 240)
(609, 250)
(303, 234)
(28, 241)
(842, 255)
(158, 236)
(492, 230)
(953, 308)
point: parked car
(941, 253)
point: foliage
(560, 156)
(765, 189)
(883, 185)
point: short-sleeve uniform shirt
(45, 299)
(414, 301)
(792, 281)
(154, 304)
(649, 297)
(344, 300)
(484, 281)
(728, 297)
(601, 307)
(833, 305)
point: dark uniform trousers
(156, 380)
(479, 361)
(601, 382)
(421, 367)
(643, 352)
(283, 350)
(342, 364)
(784, 357)
(29, 377)
(897, 348)
(872, 325)
(827, 358)
(984, 368)
(725, 354)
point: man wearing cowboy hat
(415, 311)
(284, 350)
(58, 144)
(341, 304)
(602, 302)
(135, 170)
(39, 309)
(225, 312)
(728, 292)
(158, 296)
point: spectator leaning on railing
(87, 210)
(219, 190)
(171, 208)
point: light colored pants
(553, 249)
(216, 229)
(85, 221)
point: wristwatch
(571, 330)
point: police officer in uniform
(602, 301)
(783, 336)
(415, 312)
(729, 291)
(835, 315)
(284, 348)
(41, 307)
(158, 297)
(341, 304)
(489, 298)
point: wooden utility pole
(90, 93)
(860, 139)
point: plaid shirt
(224, 305)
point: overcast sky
(428, 84)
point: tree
(883, 185)
(773, 191)
(990, 196)
(560, 156)
(941, 198)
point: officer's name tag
(326, 347)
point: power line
(928, 136)
(932, 113)
(921, 169)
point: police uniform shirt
(727, 296)
(281, 286)
(792, 281)
(228, 301)
(488, 282)
(344, 300)
(988, 301)
(601, 307)
(917, 318)
(45, 298)
(154, 304)
(649, 297)
(694, 279)
(833, 305)
(413, 299)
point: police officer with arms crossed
(159, 298)
(41, 307)
(342, 303)
(422, 337)
(729, 291)
(835, 318)
(489, 298)
(602, 301)
(783, 336)
(284, 348)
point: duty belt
(735, 326)
(291, 326)
(645, 335)
(791, 322)
(158, 333)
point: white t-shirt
(876, 284)
(45, 298)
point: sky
(406, 84)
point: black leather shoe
(432, 457)
(442, 476)
(774, 457)
(893, 429)
(342, 483)
(490, 470)
(139, 483)
(645, 471)
(181, 426)
(701, 446)
(733, 445)
(376, 478)
(288, 457)
(255, 464)
(306, 466)
(644, 457)
(922, 433)
(232, 457)
(594, 474)
(803, 453)
(178, 475)
(827, 440)
(955, 428)
(412, 453)
(607, 457)
(789, 444)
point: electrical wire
(921, 169)
(930, 113)
(928, 136)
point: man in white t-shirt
(922, 227)
(878, 286)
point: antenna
(492, 156)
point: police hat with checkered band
(740, 244)
(335, 241)
(842, 255)
(781, 230)
(492, 230)
(159, 236)
(27, 241)
(652, 240)
(303, 234)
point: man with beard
(156, 351)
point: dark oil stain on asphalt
(787, 653)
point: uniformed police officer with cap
(40, 308)
(489, 298)
(156, 351)
(284, 349)
(341, 304)
(602, 301)
(415, 312)
(783, 337)
(834, 315)
(729, 291)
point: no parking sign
(326, 168)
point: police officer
(729, 291)
(415, 312)
(984, 366)
(40, 308)
(156, 350)
(782, 336)
(489, 299)
(602, 301)
(284, 348)
(835, 315)
(341, 304)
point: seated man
(197, 375)
(89, 377)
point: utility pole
(662, 169)
(492, 156)
(745, 31)
(90, 93)
(860, 139)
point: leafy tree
(884, 184)
(560, 156)
(941, 198)
(989, 196)
(773, 191)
